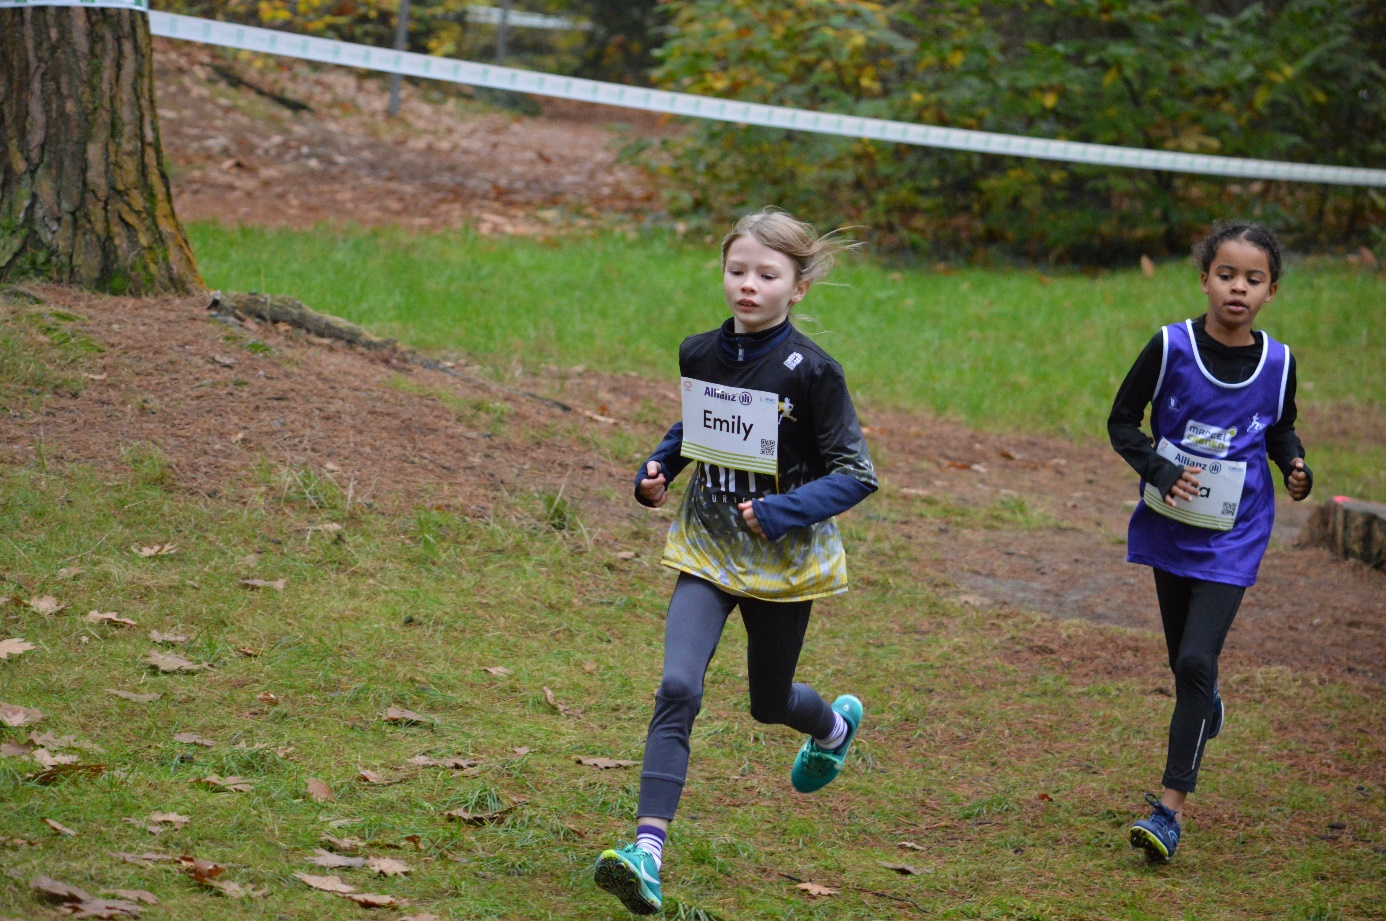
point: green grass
(1017, 779)
(998, 349)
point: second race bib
(731, 426)
(1219, 494)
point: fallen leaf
(15, 715)
(172, 638)
(319, 791)
(1147, 267)
(415, 841)
(332, 861)
(56, 891)
(371, 900)
(201, 870)
(238, 438)
(250, 652)
(457, 764)
(58, 772)
(500, 670)
(142, 860)
(605, 763)
(265, 697)
(330, 528)
(407, 717)
(325, 883)
(60, 829)
(137, 698)
(192, 738)
(232, 784)
(277, 584)
(136, 895)
(159, 822)
(573, 712)
(14, 646)
(46, 604)
(343, 844)
(903, 869)
(47, 759)
(626, 555)
(69, 572)
(172, 662)
(97, 617)
(331, 467)
(817, 890)
(388, 866)
(223, 361)
(522, 750)
(234, 890)
(156, 550)
(14, 750)
(909, 846)
(375, 777)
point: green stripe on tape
(1196, 519)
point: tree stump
(84, 196)
(1351, 528)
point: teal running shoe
(631, 874)
(1157, 835)
(815, 767)
(1219, 718)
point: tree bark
(84, 197)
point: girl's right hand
(652, 488)
(1186, 487)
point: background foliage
(1297, 80)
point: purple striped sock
(651, 838)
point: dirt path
(1017, 522)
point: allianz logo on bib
(1200, 436)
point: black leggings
(698, 612)
(1197, 616)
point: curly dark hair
(1258, 235)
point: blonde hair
(813, 255)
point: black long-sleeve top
(1230, 364)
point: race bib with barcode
(1219, 494)
(731, 426)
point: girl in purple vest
(1222, 398)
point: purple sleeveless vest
(1188, 401)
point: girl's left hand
(1298, 483)
(748, 511)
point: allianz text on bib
(1219, 494)
(731, 426)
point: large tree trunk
(84, 197)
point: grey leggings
(698, 612)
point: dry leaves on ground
(48, 759)
(99, 617)
(405, 717)
(158, 822)
(61, 771)
(192, 738)
(388, 866)
(903, 869)
(60, 828)
(457, 764)
(375, 777)
(499, 670)
(48, 740)
(332, 883)
(234, 890)
(136, 895)
(232, 784)
(143, 860)
(168, 638)
(371, 899)
(478, 818)
(331, 861)
(319, 791)
(343, 844)
(169, 662)
(572, 712)
(14, 646)
(15, 750)
(155, 550)
(78, 903)
(46, 604)
(817, 890)
(277, 584)
(137, 698)
(605, 764)
(16, 716)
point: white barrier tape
(491, 16)
(328, 51)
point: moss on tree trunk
(84, 197)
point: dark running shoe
(1157, 835)
(1219, 715)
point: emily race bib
(731, 426)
